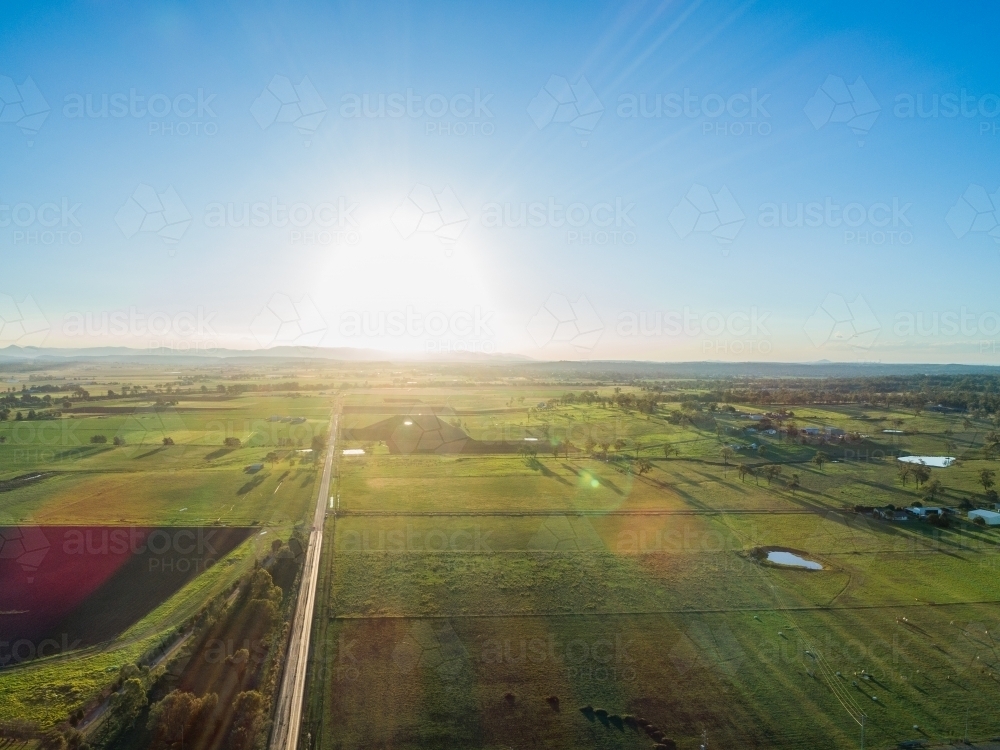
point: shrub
(98, 439)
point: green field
(578, 552)
(461, 592)
(52, 473)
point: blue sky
(668, 235)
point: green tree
(178, 716)
(794, 483)
(772, 472)
(932, 489)
(819, 459)
(904, 470)
(249, 717)
(992, 443)
(987, 478)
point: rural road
(288, 712)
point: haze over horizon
(676, 181)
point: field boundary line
(531, 513)
(657, 612)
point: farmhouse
(924, 512)
(990, 517)
(892, 514)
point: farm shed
(992, 518)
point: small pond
(790, 559)
(937, 462)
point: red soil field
(66, 587)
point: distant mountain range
(30, 357)
(22, 354)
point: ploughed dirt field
(67, 587)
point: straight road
(288, 713)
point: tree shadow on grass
(83, 451)
(152, 452)
(250, 485)
(605, 482)
(219, 453)
(546, 471)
